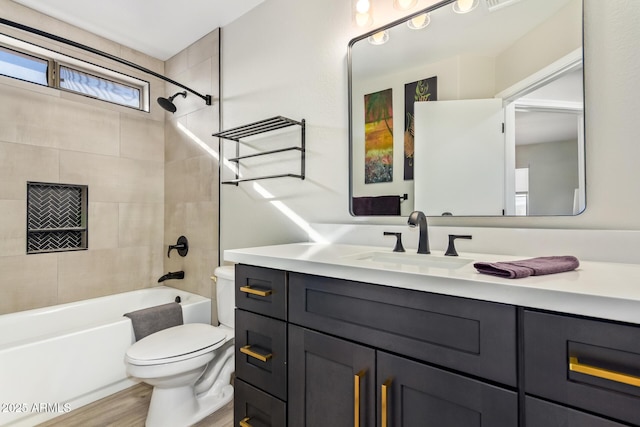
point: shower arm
(206, 98)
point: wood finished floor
(128, 408)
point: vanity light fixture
(419, 22)
(404, 4)
(363, 15)
(464, 6)
(381, 37)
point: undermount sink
(403, 258)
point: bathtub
(56, 359)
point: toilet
(189, 366)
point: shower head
(167, 103)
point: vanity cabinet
(339, 383)
(586, 364)
(255, 408)
(341, 364)
(540, 413)
(261, 347)
(420, 394)
(470, 336)
(331, 380)
(321, 351)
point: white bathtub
(56, 359)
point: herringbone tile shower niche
(56, 217)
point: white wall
(524, 57)
(288, 57)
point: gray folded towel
(154, 319)
(529, 267)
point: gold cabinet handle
(594, 371)
(356, 400)
(261, 357)
(250, 290)
(245, 422)
(385, 402)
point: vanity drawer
(545, 414)
(584, 363)
(257, 408)
(470, 336)
(261, 290)
(261, 352)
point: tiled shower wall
(191, 166)
(51, 136)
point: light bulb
(404, 4)
(362, 6)
(419, 22)
(363, 19)
(381, 37)
(464, 6)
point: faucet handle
(399, 247)
(451, 249)
(182, 246)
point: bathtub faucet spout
(170, 275)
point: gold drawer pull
(576, 366)
(250, 290)
(356, 401)
(385, 402)
(245, 422)
(261, 357)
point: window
(56, 217)
(35, 64)
(522, 204)
(98, 87)
(24, 67)
(522, 191)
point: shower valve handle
(182, 246)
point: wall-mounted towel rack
(263, 126)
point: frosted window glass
(99, 87)
(23, 67)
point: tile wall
(191, 167)
(52, 136)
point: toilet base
(179, 406)
(188, 404)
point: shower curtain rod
(207, 98)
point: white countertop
(597, 289)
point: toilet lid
(176, 343)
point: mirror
(474, 114)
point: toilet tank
(225, 294)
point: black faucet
(170, 275)
(182, 246)
(418, 218)
(451, 249)
(398, 247)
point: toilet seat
(175, 344)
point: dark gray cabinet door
(469, 336)
(584, 363)
(413, 394)
(331, 381)
(256, 408)
(540, 413)
(261, 352)
(261, 290)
